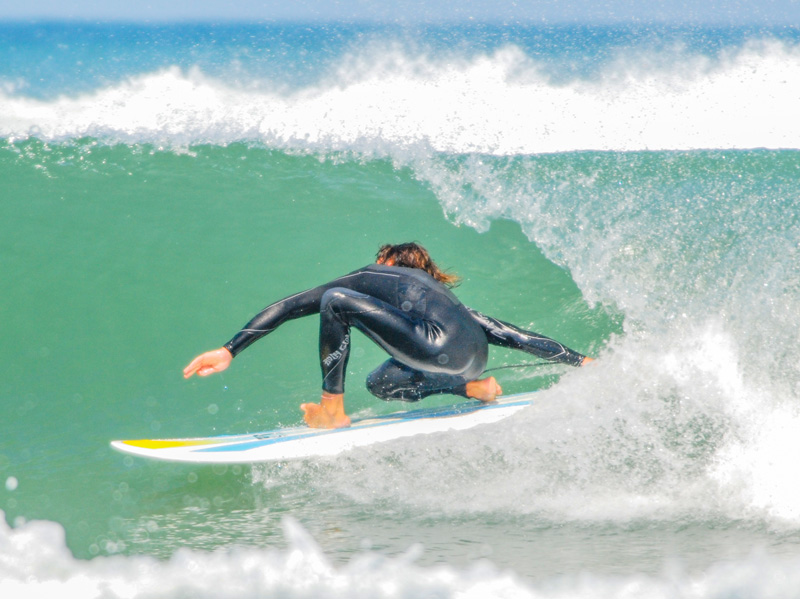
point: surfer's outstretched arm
(504, 334)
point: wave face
(630, 192)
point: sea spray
(499, 102)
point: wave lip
(500, 103)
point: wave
(504, 102)
(691, 410)
(34, 561)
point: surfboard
(302, 442)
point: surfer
(404, 303)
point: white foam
(663, 428)
(500, 103)
(35, 563)
(758, 467)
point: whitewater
(502, 102)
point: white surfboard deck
(303, 442)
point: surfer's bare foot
(328, 413)
(484, 389)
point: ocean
(630, 191)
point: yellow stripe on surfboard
(168, 443)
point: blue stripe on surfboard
(421, 414)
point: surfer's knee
(378, 385)
(385, 387)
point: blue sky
(757, 12)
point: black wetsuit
(437, 344)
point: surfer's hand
(210, 362)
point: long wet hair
(413, 255)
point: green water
(120, 263)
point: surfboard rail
(303, 442)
